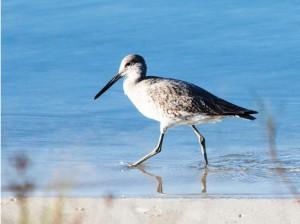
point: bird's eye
(127, 64)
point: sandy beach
(151, 210)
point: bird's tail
(229, 109)
(247, 115)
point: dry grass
(271, 130)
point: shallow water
(58, 54)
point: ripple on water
(252, 166)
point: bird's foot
(131, 165)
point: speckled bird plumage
(171, 102)
(175, 102)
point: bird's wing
(183, 97)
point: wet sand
(151, 210)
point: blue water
(56, 55)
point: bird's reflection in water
(203, 180)
(159, 179)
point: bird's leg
(202, 143)
(156, 150)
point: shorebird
(171, 102)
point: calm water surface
(58, 54)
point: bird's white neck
(134, 75)
(131, 79)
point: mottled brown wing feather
(181, 97)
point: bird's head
(132, 66)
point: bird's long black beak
(108, 85)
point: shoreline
(150, 210)
(196, 196)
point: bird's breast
(138, 95)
